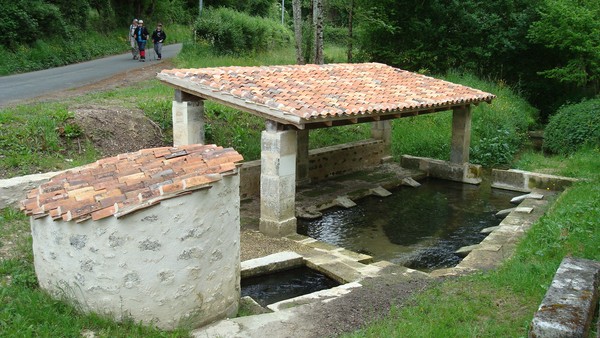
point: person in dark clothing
(141, 36)
(158, 37)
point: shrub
(498, 129)
(573, 127)
(232, 32)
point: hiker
(134, 46)
(141, 36)
(158, 37)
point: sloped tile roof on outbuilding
(119, 185)
(304, 94)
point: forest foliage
(548, 49)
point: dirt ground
(105, 127)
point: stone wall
(174, 264)
(323, 163)
(526, 181)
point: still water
(275, 287)
(420, 228)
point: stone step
(489, 230)
(411, 182)
(345, 202)
(533, 195)
(465, 250)
(380, 191)
(504, 213)
(271, 263)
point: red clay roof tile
(313, 92)
(116, 186)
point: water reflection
(416, 227)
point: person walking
(141, 36)
(134, 45)
(158, 37)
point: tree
(297, 13)
(573, 29)
(318, 31)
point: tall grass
(41, 138)
(498, 129)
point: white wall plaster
(174, 264)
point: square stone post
(278, 180)
(302, 173)
(461, 134)
(188, 119)
(382, 130)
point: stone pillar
(382, 130)
(302, 163)
(188, 119)
(278, 181)
(461, 135)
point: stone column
(188, 119)
(302, 174)
(382, 130)
(278, 181)
(461, 135)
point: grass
(501, 303)
(41, 137)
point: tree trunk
(350, 34)
(297, 12)
(318, 25)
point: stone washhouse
(152, 235)
(295, 99)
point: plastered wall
(174, 264)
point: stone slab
(525, 210)
(504, 213)
(344, 202)
(465, 250)
(323, 295)
(250, 305)
(489, 229)
(533, 195)
(271, 263)
(568, 307)
(355, 256)
(410, 182)
(380, 191)
(338, 271)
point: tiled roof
(119, 185)
(307, 93)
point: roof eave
(208, 93)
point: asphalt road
(18, 87)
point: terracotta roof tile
(310, 92)
(119, 185)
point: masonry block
(569, 304)
(188, 122)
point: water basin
(278, 286)
(420, 228)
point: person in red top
(141, 36)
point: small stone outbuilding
(152, 235)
